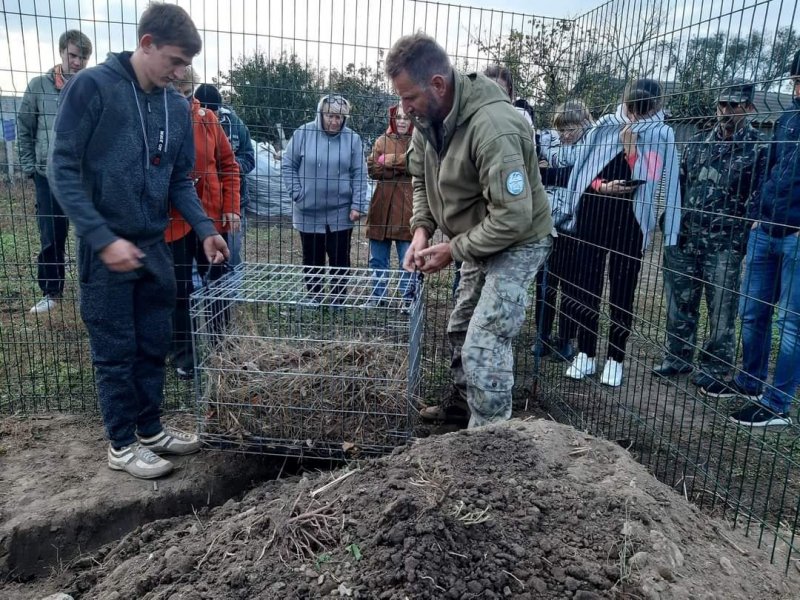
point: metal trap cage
(317, 361)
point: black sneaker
(702, 379)
(756, 415)
(721, 389)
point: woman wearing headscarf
(324, 170)
(390, 210)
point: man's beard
(436, 113)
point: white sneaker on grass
(172, 441)
(45, 305)
(581, 366)
(612, 373)
(138, 461)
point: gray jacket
(326, 176)
(35, 119)
(120, 157)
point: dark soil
(527, 510)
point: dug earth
(526, 510)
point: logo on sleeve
(515, 183)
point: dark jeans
(185, 252)
(334, 244)
(558, 273)
(53, 228)
(128, 317)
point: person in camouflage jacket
(718, 169)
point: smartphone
(634, 182)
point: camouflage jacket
(717, 179)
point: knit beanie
(208, 96)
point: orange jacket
(216, 174)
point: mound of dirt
(523, 510)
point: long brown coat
(390, 210)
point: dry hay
(349, 395)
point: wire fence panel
(299, 360)
(670, 301)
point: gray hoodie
(326, 175)
(120, 156)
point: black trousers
(185, 252)
(606, 230)
(53, 228)
(558, 274)
(336, 246)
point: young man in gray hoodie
(122, 153)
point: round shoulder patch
(202, 112)
(515, 183)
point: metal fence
(273, 61)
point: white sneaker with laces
(612, 373)
(138, 461)
(581, 366)
(44, 305)
(172, 441)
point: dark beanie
(208, 96)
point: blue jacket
(120, 156)
(239, 137)
(326, 175)
(656, 160)
(777, 205)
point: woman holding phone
(614, 183)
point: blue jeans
(379, 254)
(771, 280)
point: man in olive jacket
(475, 176)
(35, 120)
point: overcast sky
(333, 33)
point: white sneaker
(138, 461)
(612, 373)
(44, 305)
(172, 441)
(581, 366)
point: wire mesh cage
(318, 361)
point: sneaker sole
(777, 422)
(143, 475)
(171, 452)
(721, 395)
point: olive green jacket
(35, 119)
(481, 184)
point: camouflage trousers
(489, 313)
(687, 274)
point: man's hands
(424, 258)
(232, 221)
(355, 215)
(121, 256)
(216, 249)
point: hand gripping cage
(294, 360)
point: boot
(453, 411)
